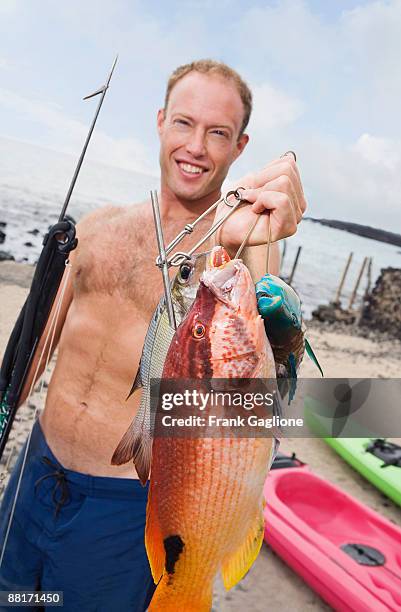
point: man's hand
(277, 189)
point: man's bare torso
(116, 287)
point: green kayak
(378, 460)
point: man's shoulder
(111, 212)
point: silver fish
(136, 443)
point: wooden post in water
(342, 281)
(367, 289)
(369, 276)
(358, 280)
(294, 265)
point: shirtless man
(79, 521)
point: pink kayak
(345, 551)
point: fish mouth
(221, 274)
(218, 258)
(268, 303)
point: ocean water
(33, 185)
(34, 181)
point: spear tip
(112, 70)
(104, 87)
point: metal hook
(178, 258)
(188, 229)
(291, 153)
(235, 193)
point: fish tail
(181, 583)
(136, 444)
(236, 565)
(170, 597)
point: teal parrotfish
(280, 308)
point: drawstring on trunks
(61, 485)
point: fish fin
(236, 565)
(137, 382)
(312, 355)
(143, 458)
(136, 444)
(154, 538)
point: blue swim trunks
(75, 533)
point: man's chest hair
(118, 258)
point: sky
(324, 73)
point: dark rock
(5, 256)
(34, 232)
(28, 244)
(333, 313)
(380, 313)
(382, 307)
(3, 224)
(2, 237)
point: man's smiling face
(199, 135)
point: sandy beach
(270, 584)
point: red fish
(205, 507)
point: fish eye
(185, 271)
(198, 331)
